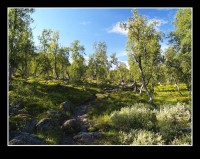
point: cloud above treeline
(116, 29)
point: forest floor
(80, 114)
(106, 117)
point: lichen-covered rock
(22, 122)
(24, 138)
(45, 124)
(14, 108)
(71, 126)
(57, 115)
(66, 106)
(86, 137)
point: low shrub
(102, 122)
(140, 137)
(134, 117)
(184, 139)
(171, 119)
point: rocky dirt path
(83, 137)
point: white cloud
(116, 29)
(126, 62)
(85, 23)
(160, 21)
(164, 47)
(70, 60)
(86, 58)
(121, 54)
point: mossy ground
(38, 96)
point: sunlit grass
(51, 137)
(38, 96)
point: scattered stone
(86, 137)
(23, 111)
(57, 114)
(188, 129)
(48, 78)
(45, 124)
(28, 124)
(68, 140)
(66, 106)
(24, 122)
(14, 108)
(71, 126)
(24, 138)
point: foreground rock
(24, 138)
(57, 115)
(71, 126)
(45, 124)
(29, 124)
(86, 137)
(68, 140)
(66, 106)
(15, 108)
(24, 122)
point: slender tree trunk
(11, 48)
(62, 70)
(144, 85)
(178, 88)
(67, 77)
(25, 67)
(141, 90)
(35, 71)
(135, 86)
(55, 67)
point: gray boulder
(45, 124)
(14, 108)
(24, 138)
(24, 122)
(87, 137)
(71, 126)
(66, 106)
(58, 115)
(28, 124)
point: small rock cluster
(75, 129)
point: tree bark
(144, 84)
(35, 71)
(178, 88)
(141, 90)
(67, 77)
(11, 48)
(55, 68)
(135, 86)
(62, 70)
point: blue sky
(97, 24)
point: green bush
(140, 137)
(134, 117)
(170, 120)
(184, 139)
(102, 122)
